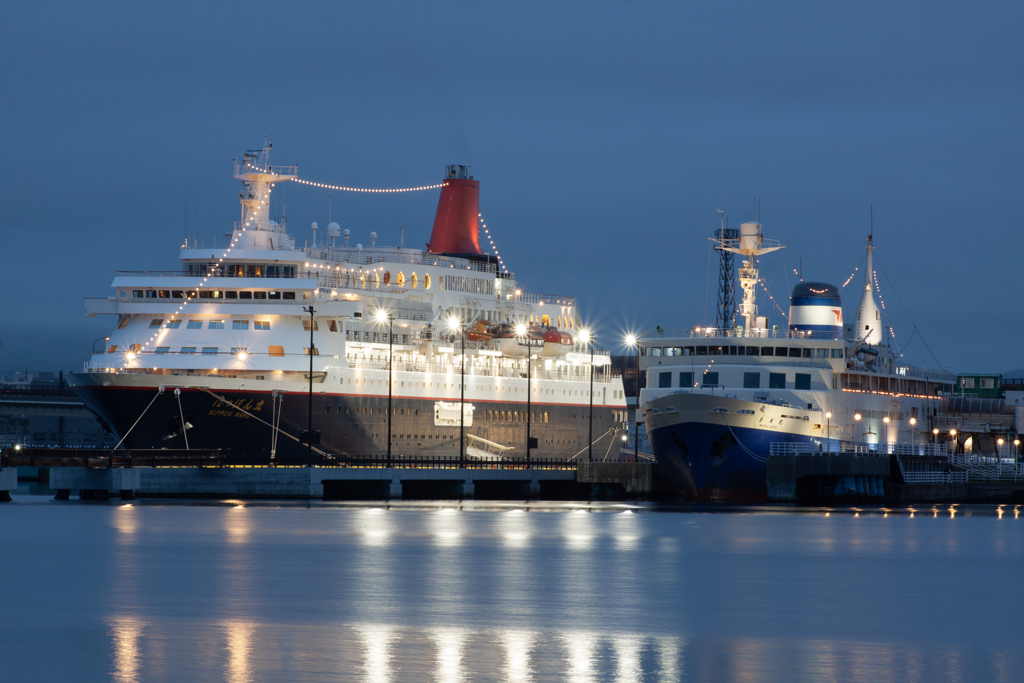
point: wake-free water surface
(451, 591)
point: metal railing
(935, 477)
(856, 448)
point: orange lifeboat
(479, 332)
(556, 343)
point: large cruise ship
(222, 353)
(716, 399)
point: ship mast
(750, 244)
(258, 177)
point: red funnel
(456, 229)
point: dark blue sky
(605, 136)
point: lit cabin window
(209, 350)
(194, 325)
(188, 350)
(426, 281)
(136, 293)
(413, 280)
(123, 321)
(332, 325)
(239, 324)
(113, 347)
(156, 322)
(259, 295)
(262, 324)
(316, 352)
(216, 325)
(173, 324)
(305, 326)
(276, 351)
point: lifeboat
(556, 343)
(510, 344)
(479, 332)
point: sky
(606, 137)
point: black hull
(351, 426)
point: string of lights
(483, 225)
(343, 188)
(852, 275)
(892, 334)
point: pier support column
(395, 489)
(8, 483)
(467, 489)
(533, 488)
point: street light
(312, 350)
(935, 435)
(454, 324)
(632, 340)
(587, 337)
(913, 431)
(521, 332)
(952, 436)
(828, 439)
(384, 316)
(856, 418)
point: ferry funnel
(816, 311)
(456, 226)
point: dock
(890, 474)
(101, 475)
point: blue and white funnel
(816, 311)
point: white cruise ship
(716, 399)
(217, 355)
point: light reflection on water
(271, 592)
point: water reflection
(627, 659)
(239, 637)
(376, 640)
(582, 649)
(517, 655)
(449, 644)
(124, 634)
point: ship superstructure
(716, 399)
(235, 323)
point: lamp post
(856, 421)
(382, 317)
(935, 435)
(828, 439)
(312, 348)
(454, 324)
(106, 349)
(913, 431)
(588, 338)
(521, 332)
(632, 340)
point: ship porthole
(376, 279)
(387, 277)
(426, 281)
(414, 280)
(400, 280)
(545, 319)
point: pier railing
(858, 448)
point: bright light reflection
(627, 658)
(377, 652)
(125, 632)
(582, 650)
(238, 524)
(450, 644)
(517, 655)
(125, 521)
(669, 649)
(579, 530)
(239, 636)
(375, 528)
(447, 528)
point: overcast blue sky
(605, 136)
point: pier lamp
(856, 417)
(312, 349)
(631, 341)
(935, 435)
(242, 355)
(455, 325)
(587, 337)
(384, 316)
(828, 421)
(521, 332)
(1016, 447)
(913, 431)
(952, 435)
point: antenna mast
(726, 312)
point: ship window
(710, 379)
(664, 380)
(793, 352)
(137, 293)
(822, 353)
(173, 324)
(162, 349)
(751, 380)
(194, 325)
(278, 351)
(215, 294)
(122, 293)
(216, 325)
(177, 294)
(545, 417)
(967, 382)
(387, 277)
(426, 281)
(414, 280)
(735, 350)
(245, 295)
(808, 353)
(987, 383)
(204, 294)
(687, 350)
(776, 380)
(332, 325)
(752, 350)
(262, 325)
(274, 295)
(289, 295)
(230, 295)
(156, 322)
(209, 350)
(802, 381)
(150, 293)
(685, 380)
(655, 351)
(316, 352)
(400, 280)
(239, 324)
(188, 350)
(702, 350)
(113, 347)
(767, 351)
(305, 326)
(837, 353)
(164, 294)
(259, 295)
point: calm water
(501, 592)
